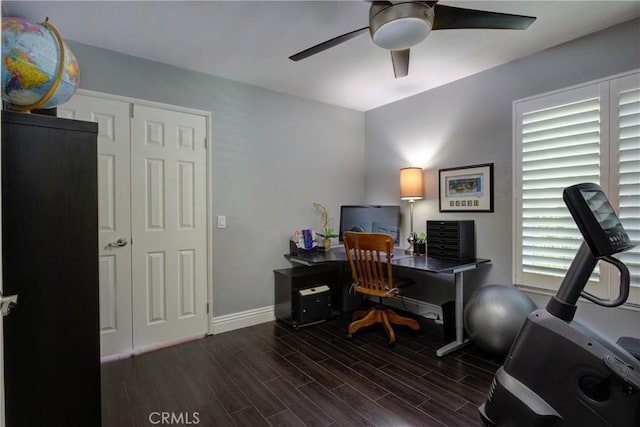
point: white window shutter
(560, 147)
(628, 171)
(590, 133)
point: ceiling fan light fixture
(400, 26)
(401, 33)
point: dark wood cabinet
(50, 260)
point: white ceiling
(250, 41)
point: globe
(32, 73)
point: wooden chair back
(369, 256)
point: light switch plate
(222, 221)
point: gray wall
(273, 156)
(470, 122)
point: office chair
(369, 259)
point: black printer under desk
(300, 299)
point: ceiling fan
(399, 26)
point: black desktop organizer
(451, 239)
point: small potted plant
(420, 245)
(327, 231)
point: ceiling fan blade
(449, 17)
(400, 60)
(328, 44)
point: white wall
(470, 122)
(273, 156)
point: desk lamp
(411, 189)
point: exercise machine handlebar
(623, 292)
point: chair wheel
(391, 344)
(350, 337)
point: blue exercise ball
(493, 316)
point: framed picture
(466, 189)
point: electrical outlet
(222, 221)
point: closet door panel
(114, 212)
(168, 188)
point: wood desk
(413, 262)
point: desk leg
(459, 313)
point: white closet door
(168, 206)
(114, 222)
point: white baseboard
(243, 319)
(116, 357)
(146, 349)
(233, 321)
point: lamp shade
(411, 187)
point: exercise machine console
(560, 372)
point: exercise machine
(560, 372)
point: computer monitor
(371, 218)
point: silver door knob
(118, 243)
(7, 303)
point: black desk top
(399, 258)
(438, 265)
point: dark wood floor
(270, 375)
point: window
(589, 133)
